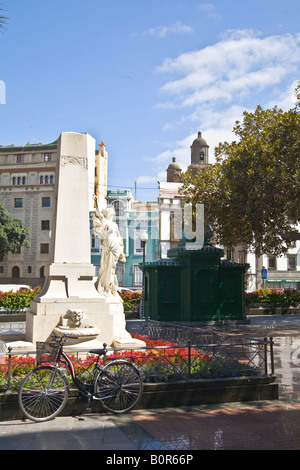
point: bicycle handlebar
(61, 339)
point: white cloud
(210, 88)
(151, 180)
(163, 157)
(163, 31)
(210, 11)
(284, 99)
(146, 179)
(235, 65)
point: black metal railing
(238, 348)
(206, 359)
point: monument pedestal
(70, 287)
(105, 314)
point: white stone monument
(69, 294)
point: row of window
(138, 246)
(47, 157)
(15, 273)
(137, 273)
(44, 248)
(45, 225)
(44, 179)
(18, 202)
(272, 260)
(291, 260)
(19, 180)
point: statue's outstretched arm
(98, 212)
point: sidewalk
(88, 432)
(239, 426)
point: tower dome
(199, 154)
(174, 172)
(199, 141)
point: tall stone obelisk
(69, 284)
(71, 271)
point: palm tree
(2, 20)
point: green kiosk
(194, 285)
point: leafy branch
(3, 19)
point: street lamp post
(144, 239)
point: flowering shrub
(20, 365)
(131, 300)
(17, 300)
(270, 296)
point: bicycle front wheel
(119, 386)
(43, 393)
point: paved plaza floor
(264, 425)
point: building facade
(282, 272)
(28, 191)
(27, 178)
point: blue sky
(144, 76)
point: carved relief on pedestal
(71, 160)
(75, 325)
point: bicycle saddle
(99, 352)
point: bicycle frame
(63, 358)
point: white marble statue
(112, 248)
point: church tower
(199, 154)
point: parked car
(13, 287)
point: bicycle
(44, 391)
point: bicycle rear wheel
(119, 386)
(43, 393)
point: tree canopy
(251, 194)
(13, 234)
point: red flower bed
(165, 350)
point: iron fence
(12, 321)
(177, 332)
(254, 352)
(207, 358)
(12, 327)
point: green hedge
(269, 296)
(22, 298)
(17, 300)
